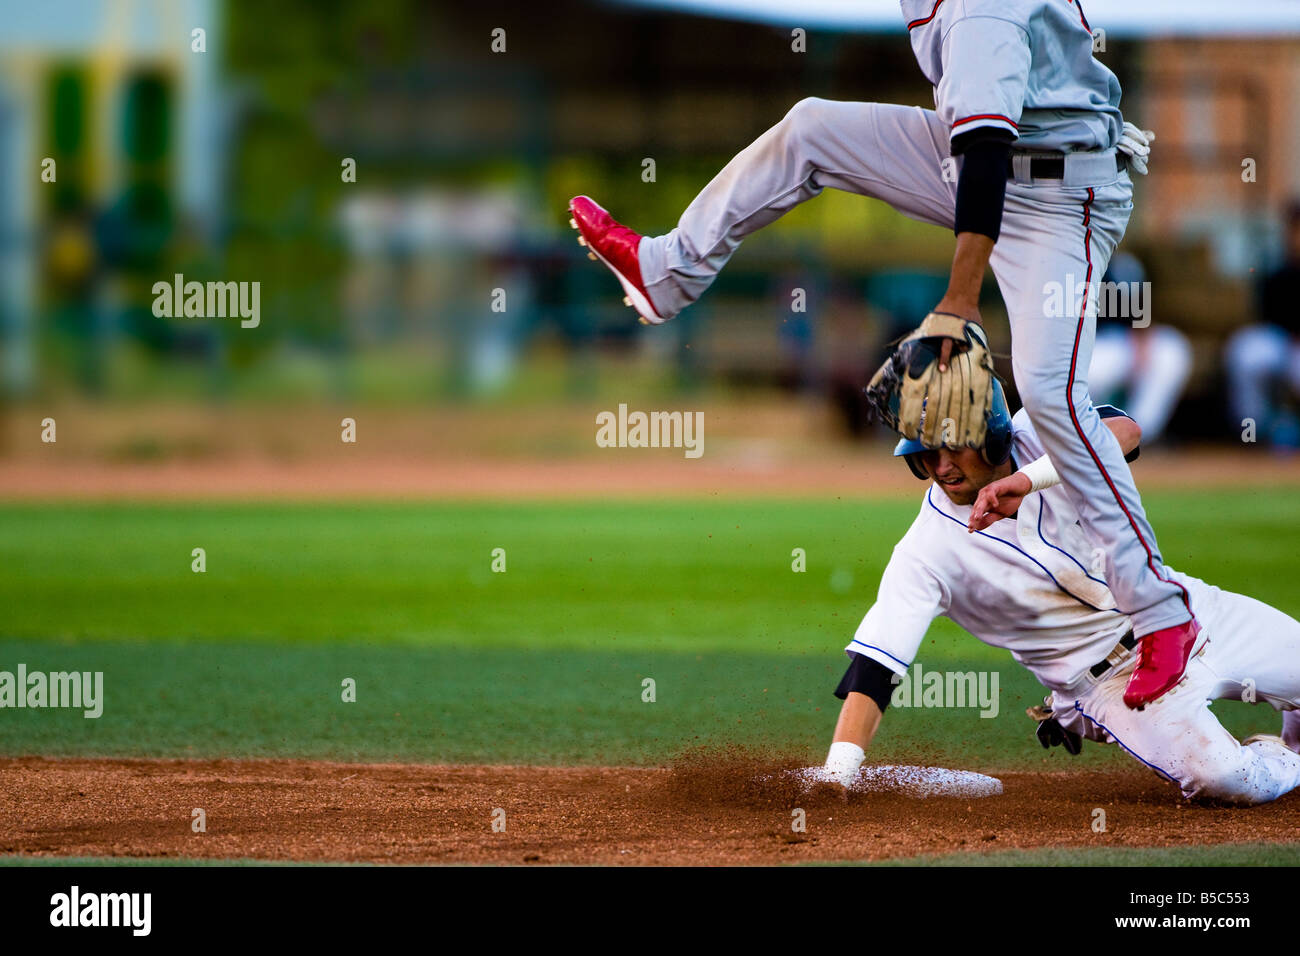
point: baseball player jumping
(1030, 122)
(1026, 584)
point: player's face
(960, 472)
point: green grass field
(541, 664)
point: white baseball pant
(1249, 652)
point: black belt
(1128, 642)
(1053, 167)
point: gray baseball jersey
(1025, 66)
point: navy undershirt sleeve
(868, 676)
(982, 182)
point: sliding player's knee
(1215, 783)
(1242, 779)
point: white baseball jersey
(1028, 584)
(1031, 584)
(1024, 66)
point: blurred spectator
(1263, 360)
(850, 342)
(1143, 370)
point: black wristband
(982, 187)
(868, 676)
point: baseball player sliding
(1026, 583)
(1030, 122)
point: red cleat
(616, 246)
(1162, 658)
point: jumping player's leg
(1053, 249)
(887, 152)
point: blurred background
(437, 296)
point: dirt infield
(868, 472)
(773, 447)
(702, 811)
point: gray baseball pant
(1057, 236)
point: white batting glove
(842, 763)
(1136, 144)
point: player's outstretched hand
(998, 499)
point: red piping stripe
(924, 20)
(986, 116)
(1082, 19)
(1069, 401)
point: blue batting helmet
(997, 437)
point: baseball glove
(948, 408)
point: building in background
(110, 134)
